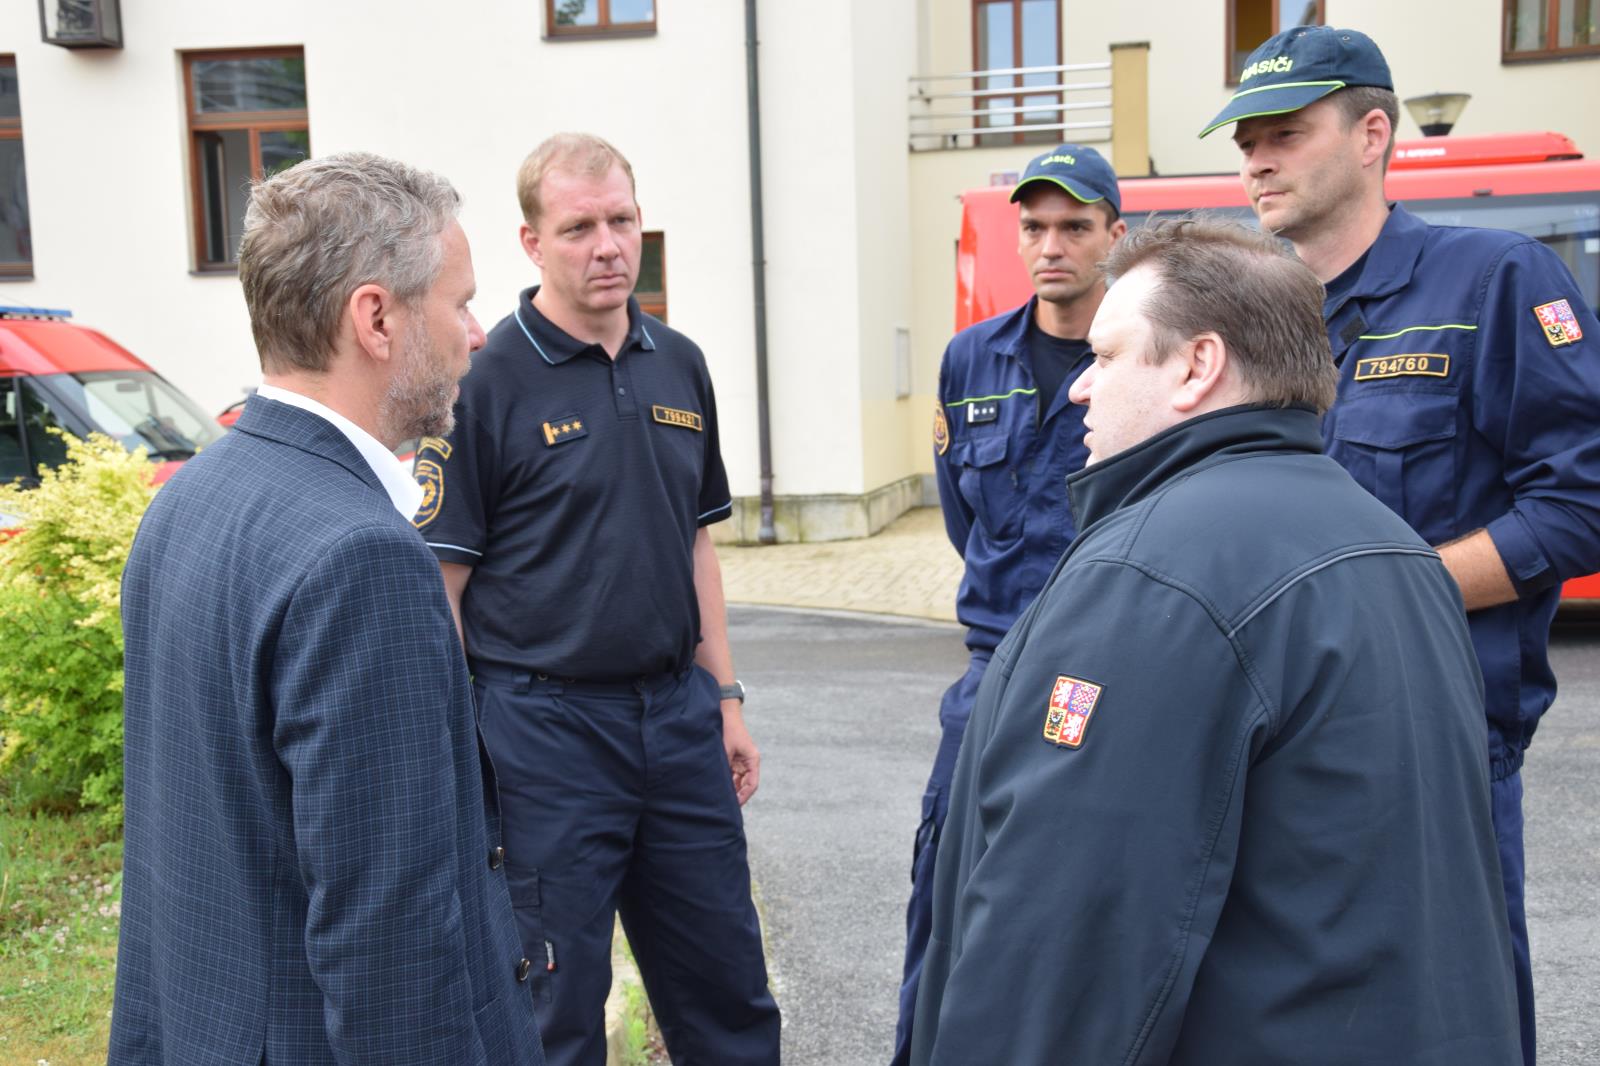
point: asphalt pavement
(844, 707)
(845, 711)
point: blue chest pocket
(989, 485)
(1400, 445)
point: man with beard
(1223, 798)
(310, 867)
(1005, 437)
(1469, 381)
(569, 512)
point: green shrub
(60, 601)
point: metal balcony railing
(983, 108)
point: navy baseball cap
(1299, 67)
(1081, 171)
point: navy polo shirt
(574, 486)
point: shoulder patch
(941, 430)
(435, 444)
(1071, 705)
(1560, 325)
(430, 475)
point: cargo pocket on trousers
(528, 904)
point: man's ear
(528, 237)
(1376, 134)
(1119, 229)
(1204, 369)
(374, 320)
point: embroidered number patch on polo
(1400, 366)
(671, 416)
(1066, 716)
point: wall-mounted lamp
(81, 23)
(1436, 113)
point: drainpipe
(758, 254)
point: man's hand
(743, 757)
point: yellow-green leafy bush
(61, 627)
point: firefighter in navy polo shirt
(1469, 381)
(1005, 437)
(568, 511)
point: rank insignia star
(1071, 705)
(560, 430)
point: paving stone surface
(908, 569)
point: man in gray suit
(313, 870)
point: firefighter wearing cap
(1469, 381)
(1005, 437)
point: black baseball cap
(1299, 67)
(1081, 171)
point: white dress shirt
(393, 475)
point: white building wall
(884, 45)
(467, 94)
(859, 233)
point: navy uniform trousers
(954, 710)
(617, 797)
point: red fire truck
(1537, 183)
(55, 373)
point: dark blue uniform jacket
(1461, 410)
(1002, 478)
(1271, 842)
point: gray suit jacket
(308, 874)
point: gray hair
(318, 231)
(1216, 276)
(576, 153)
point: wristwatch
(734, 691)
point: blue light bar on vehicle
(9, 311)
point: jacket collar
(1010, 336)
(556, 346)
(280, 422)
(1391, 259)
(1125, 479)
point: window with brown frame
(599, 18)
(16, 233)
(651, 289)
(247, 121)
(1550, 29)
(1007, 34)
(1250, 22)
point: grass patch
(641, 1039)
(60, 905)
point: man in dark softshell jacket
(1224, 796)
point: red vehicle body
(54, 373)
(1536, 183)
